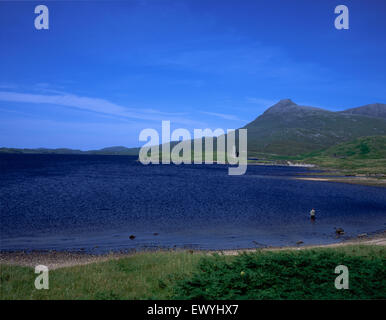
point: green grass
(141, 276)
(365, 155)
(181, 275)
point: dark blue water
(69, 202)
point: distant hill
(377, 110)
(289, 129)
(40, 151)
(119, 150)
(104, 151)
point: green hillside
(366, 155)
(289, 129)
(361, 148)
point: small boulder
(299, 242)
(132, 237)
(362, 235)
(339, 231)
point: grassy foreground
(290, 274)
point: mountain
(285, 129)
(377, 110)
(289, 129)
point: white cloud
(97, 105)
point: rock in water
(339, 231)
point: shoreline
(364, 181)
(341, 178)
(62, 259)
(338, 177)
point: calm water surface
(73, 202)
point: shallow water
(72, 202)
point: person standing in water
(312, 214)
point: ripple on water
(72, 201)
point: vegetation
(366, 155)
(288, 129)
(181, 275)
(285, 275)
(141, 276)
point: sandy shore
(62, 259)
(352, 180)
(55, 259)
(378, 240)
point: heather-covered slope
(289, 129)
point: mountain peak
(284, 103)
(283, 106)
(289, 109)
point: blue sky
(107, 69)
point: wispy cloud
(222, 115)
(96, 105)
